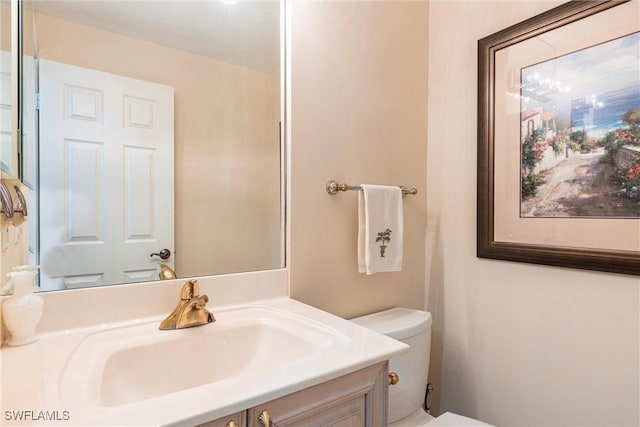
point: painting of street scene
(580, 133)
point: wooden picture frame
(603, 242)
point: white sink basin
(134, 363)
(129, 373)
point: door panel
(106, 162)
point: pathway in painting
(579, 187)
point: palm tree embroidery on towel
(384, 237)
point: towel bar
(333, 187)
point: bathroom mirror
(152, 136)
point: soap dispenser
(23, 310)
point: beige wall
(358, 115)
(227, 180)
(5, 27)
(518, 344)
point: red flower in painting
(633, 172)
(624, 136)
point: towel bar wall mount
(333, 187)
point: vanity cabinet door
(233, 420)
(355, 400)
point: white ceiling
(244, 33)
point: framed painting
(559, 139)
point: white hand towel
(380, 229)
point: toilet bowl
(406, 398)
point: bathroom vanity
(262, 362)
(356, 399)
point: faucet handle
(195, 312)
(201, 301)
(190, 289)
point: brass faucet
(190, 311)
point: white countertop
(32, 374)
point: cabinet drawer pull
(265, 418)
(232, 423)
(393, 378)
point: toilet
(406, 398)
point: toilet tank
(412, 327)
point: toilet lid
(399, 323)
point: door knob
(164, 254)
(393, 378)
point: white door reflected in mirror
(109, 144)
